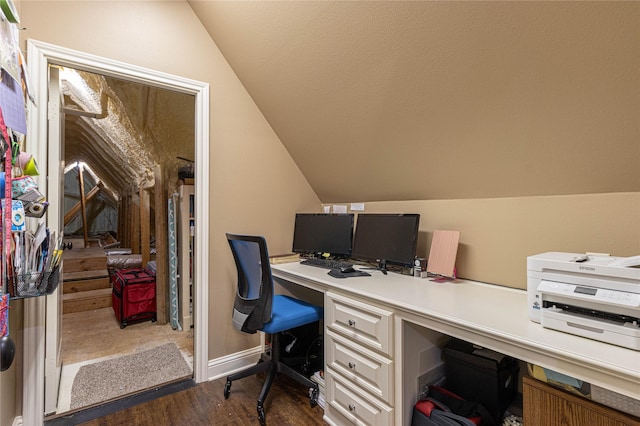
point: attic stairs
(86, 283)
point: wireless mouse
(347, 270)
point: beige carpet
(113, 378)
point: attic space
(124, 142)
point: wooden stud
(122, 222)
(83, 203)
(73, 211)
(134, 209)
(145, 231)
(126, 221)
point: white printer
(594, 296)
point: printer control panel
(613, 297)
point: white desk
(488, 315)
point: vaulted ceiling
(401, 100)
(397, 100)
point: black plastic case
(481, 376)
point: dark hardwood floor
(204, 404)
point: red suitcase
(133, 295)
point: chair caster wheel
(261, 417)
(227, 389)
(313, 400)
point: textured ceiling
(435, 100)
(135, 128)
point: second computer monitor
(386, 238)
(319, 233)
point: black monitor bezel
(380, 258)
(308, 251)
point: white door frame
(55, 190)
(39, 56)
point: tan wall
(255, 187)
(497, 234)
(10, 385)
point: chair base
(272, 366)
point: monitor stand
(382, 266)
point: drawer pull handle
(352, 365)
(352, 407)
(352, 323)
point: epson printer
(594, 296)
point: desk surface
(489, 315)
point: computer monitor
(386, 239)
(318, 233)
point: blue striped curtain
(173, 265)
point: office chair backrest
(252, 304)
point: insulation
(124, 130)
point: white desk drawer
(361, 322)
(348, 405)
(362, 367)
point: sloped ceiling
(436, 100)
(134, 129)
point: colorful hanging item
(4, 315)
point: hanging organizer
(29, 268)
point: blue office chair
(256, 308)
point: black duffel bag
(444, 408)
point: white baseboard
(17, 421)
(229, 364)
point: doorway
(39, 313)
(114, 133)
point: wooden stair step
(86, 300)
(74, 286)
(85, 275)
(83, 252)
(85, 259)
(86, 264)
